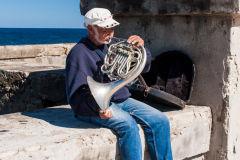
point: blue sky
(40, 14)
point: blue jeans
(124, 121)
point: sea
(29, 36)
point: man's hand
(136, 41)
(105, 114)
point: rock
(54, 133)
(26, 86)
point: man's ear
(90, 29)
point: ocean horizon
(31, 36)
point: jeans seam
(154, 141)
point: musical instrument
(123, 63)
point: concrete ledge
(54, 133)
(27, 51)
(28, 86)
(52, 60)
(44, 54)
(162, 7)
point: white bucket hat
(101, 17)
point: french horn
(122, 63)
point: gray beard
(96, 36)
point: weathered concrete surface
(213, 44)
(45, 54)
(156, 7)
(54, 133)
(27, 86)
(27, 51)
(198, 157)
(52, 60)
(231, 92)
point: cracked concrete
(45, 54)
(54, 133)
(209, 41)
(162, 7)
(27, 86)
(234, 91)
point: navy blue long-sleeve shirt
(83, 61)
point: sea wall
(29, 86)
(209, 32)
(158, 7)
(44, 54)
(35, 80)
(54, 132)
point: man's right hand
(105, 114)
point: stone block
(54, 133)
(27, 86)
(53, 60)
(212, 41)
(162, 7)
(33, 51)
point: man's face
(103, 35)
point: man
(124, 112)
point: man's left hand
(136, 41)
(105, 114)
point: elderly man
(124, 113)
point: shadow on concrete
(162, 108)
(62, 117)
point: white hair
(96, 35)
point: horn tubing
(104, 91)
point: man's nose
(109, 30)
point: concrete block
(162, 7)
(33, 51)
(212, 41)
(27, 86)
(52, 60)
(54, 133)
